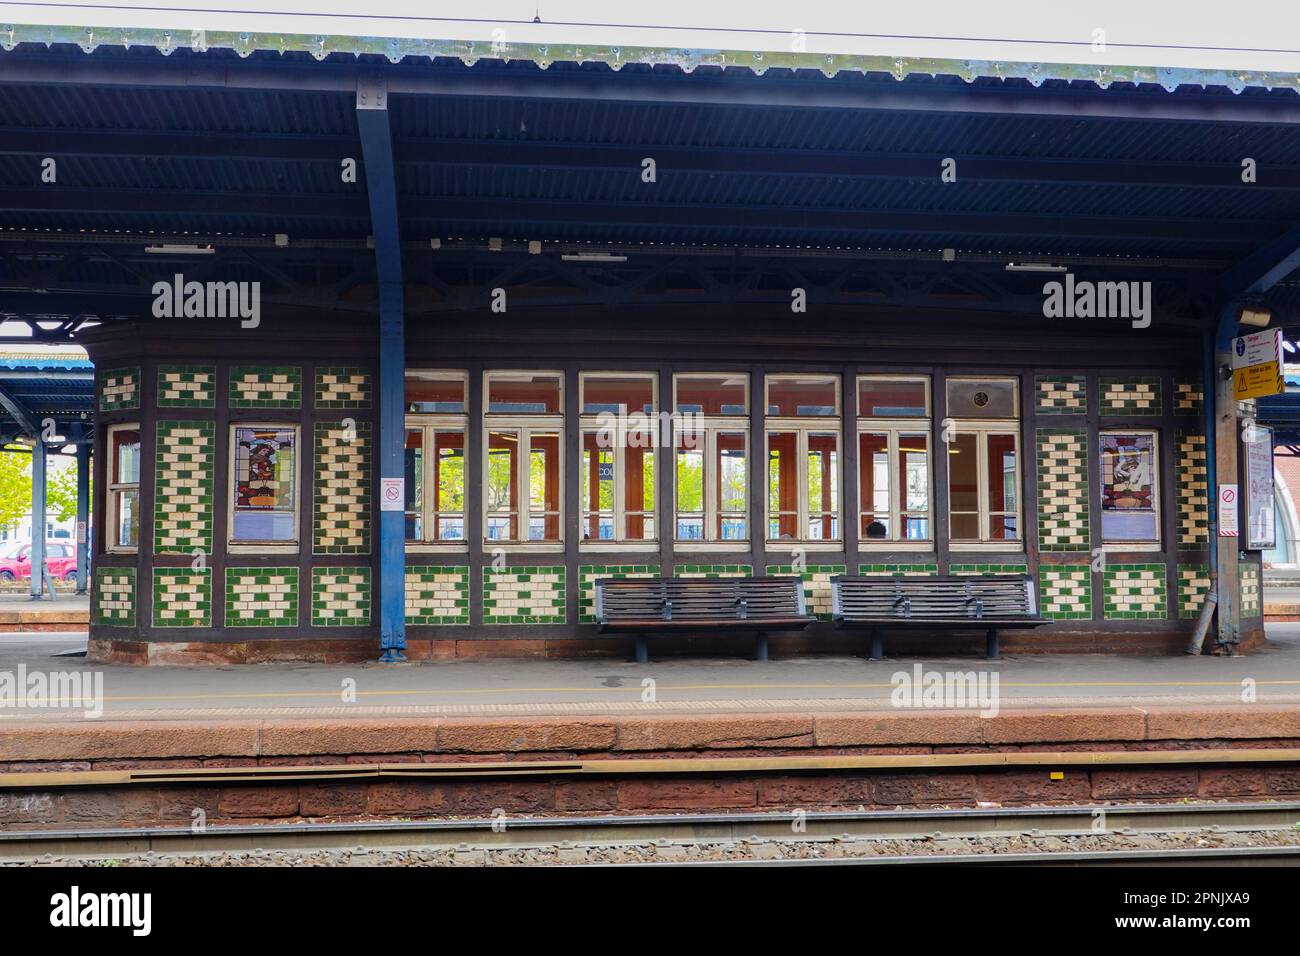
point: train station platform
(287, 742)
(68, 611)
(1269, 675)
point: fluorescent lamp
(593, 257)
(1033, 267)
(175, 249)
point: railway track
(791, 839)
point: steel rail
(815, 827)
(657, 766)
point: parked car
(60, 558)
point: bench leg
(760, 648)
(642, 654)
(991, 644)
(877, 645)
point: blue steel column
(37, 551)
(83, 515)
(381, 186)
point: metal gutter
(320, 46)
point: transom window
(983, 460)
(619, 433)
(803, 431)
(264, 484)
(711, 457)
(123, 500)
(893, 459)
(522, 461)
(434, 457)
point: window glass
(413, 468)
(618, 394)
(516, 393)
(501, 484)
(435, 392)
(964, 486)
(265, 491)
(123, 525)
(816, 395)
(733, 487)
(914, 484)
(690, 491)
(873, 489)
(982, 398)
(544, 487)
(449, 481)
(713, 395)
(893, 398)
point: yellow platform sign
(1257, 365)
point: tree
(60, 494)
(15, 487)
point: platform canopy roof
(45, 383)
(525, 167)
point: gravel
(660, 851)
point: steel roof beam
(536, 214)
(739, 161)
(21, 414)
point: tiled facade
(1061, 394)
(183, 487)
(816, 585)
(1193, 583)
(587, 575)
(1063, 489)
(187, 386)
(1192, 479)
(988, 569)
(524, 595)
(341, 494)
(1248, 580)
(1139, 395)
(437, 595)
(266, 386)
(182, 597)
(1134, 591)
(713, 571)
(342, 387)
(340, 597)
(119, 388)
(115, 597)
(898, 570)
(1189, 397)
(261, 597)
(1065, 592)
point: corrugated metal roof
(395, 49)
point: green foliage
(15, 487)
(61, 495)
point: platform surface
(680, 684)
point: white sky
(1255, 35)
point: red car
(60, 558)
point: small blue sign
(1241, 346)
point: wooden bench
(990, 603)
(643, 606)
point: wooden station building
(401, 345)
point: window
(1129, 487)
(893, 459)
(522, 473)
(711, 457)
(618, 456)
(123, 525)
(803, 432)
(264, 484)
(983, 461)
(434, 457)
